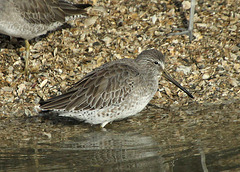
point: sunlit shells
(107, 40)
(234, 82)
(21, 88)
(154, 19)
(43, 83)
(209, 67)
(186, 5)
(185, 69)
(90, 21)
(7, 89)
(206, 76)
(98, 9)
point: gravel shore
(209, 66)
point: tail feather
(73, 9)
(58, 101)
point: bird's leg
(190, 26)
(104, 124)
(27, 45)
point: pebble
(186, 69)
(43, 83)
(205, 76)
(186, 5)
(233, 82)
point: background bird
(28, 19)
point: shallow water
(192, 138)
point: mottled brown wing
(48, 11)
(72, 9)
(101, 88)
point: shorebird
(113, 91)
(28, 19)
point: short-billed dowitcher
(113, 91)
(28, 19)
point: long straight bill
(168, 77)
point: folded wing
(99, 89)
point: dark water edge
(200, 137)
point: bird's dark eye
(156, 62)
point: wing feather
(48, 11)
(96, 91)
